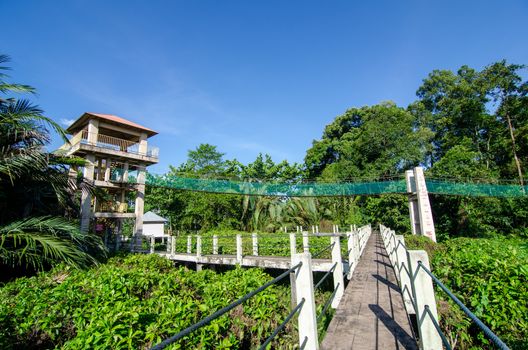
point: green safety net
(320, 189)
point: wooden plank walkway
(371, 314)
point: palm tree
(35, 189)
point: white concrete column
(173, 245)
(306, 242)
(293, 244)
(402, 272)
(215, 244)
(239, 248)
(413, 202)
(424, 206)
(304, 289)
(86, 197)
(140, 202)
(189, 244)
(142, 144)
(93, 131)
(339, 281)
(254, 239)
(423, 293)
(351, 254)
(108, 168)
(125, 172)
(152, 244)
(198, 246)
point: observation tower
(117, 153)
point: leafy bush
(490, 276)
(135, 301)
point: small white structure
(153, 225)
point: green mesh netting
(331, 189)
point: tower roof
(113, 119)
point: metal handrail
(222, 311)
(283, 324)
(327, 304)
(325, 276)
(489, 333)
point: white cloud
(66, 122)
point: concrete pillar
(93, 131)
(402, 272)
(198, 246)
(189, 244)
(142, 144)
(173, 245)
(413, 202)
(140, 202)
(125, 172)
(306, 242)
(86, 198)
(351, 254)
(339, 282)
(423, 294)
(108, 168)
(215, 244)
(304, 288)
(152, 244)
(239, 248)
(254, 239)
(293, 244)
(424, 206)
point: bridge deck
(371, 314)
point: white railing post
(339, 281)
(304, 289)
(198, 246)
(306, 242)
(293, 244)
(239, 248)
(402, 272)
(423, 294)
(152, 243)
(254, 238)
(215, 244)
(189, 244)
(173, 245)
(351, 253)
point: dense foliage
(35, 190)
(138, 300)
(490, 276)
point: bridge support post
(304, 289)
(402, 273)
(215, 244)
(254, 239)
(198, 253)
(189, 244)
(239, 248)
(339, 281)
(152, 243)
(423, 294)
(293, 244)
(173, 245)
(306, 242)
(351, 253)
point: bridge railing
(301, 282)
(415, 279)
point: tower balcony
(84, 142)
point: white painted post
(189, 244)
(293, 244)
(423, 294)
(339, 281)
(403, 274)
(317, 228)
(306, 242)
(168, 245)
(198, 246)
(304, 289)
(239, 248)
(351, 254)
(173, 245)
(215, 244)
(313, 229)
(254, 238)
(152, 242)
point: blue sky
(247, 76)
